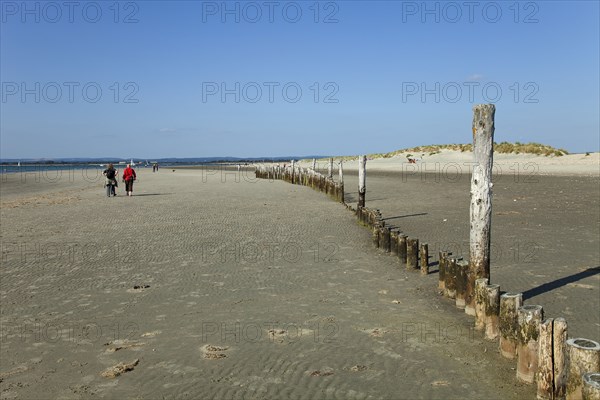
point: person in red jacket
(128, 177)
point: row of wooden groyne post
(306, 177)
(562, 368)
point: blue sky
(186, 79)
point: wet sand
(545, 230)
(202, 289)
(545, 221)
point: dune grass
(501, 148)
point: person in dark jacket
(111, 179)
(128, 177)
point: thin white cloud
(167, 130)
(475, 77)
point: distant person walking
(128, 177)
(111, 180)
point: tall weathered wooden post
(330, 169)
(362, 180)
(341, 181)
(314, 165)
(481, 199)
(293, 171)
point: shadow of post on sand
(546, 287)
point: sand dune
(453, 161)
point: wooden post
(584, 356)
(462, 269)
(591, 386)
(492, 311)
(481, 197)
(509, 323)
(314, 165)
(530, 318)
(442, 270)
(480, 294)
(450, 278)
(362, 180)
(394, 243)
(402, 249)
(559, 344)
(375, 237)
(330, 169)
(372, 218)
(545, 373)
(412, 253)
(293, 170)
(424, 259)
(341, 179)
(386, 239)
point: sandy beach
(209, 283)
(219, 290)
(393, 269)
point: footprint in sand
(18, 370)
(278, 335)
(138, 288)
(287, 336)
(213, 352)
(120, 368)
(151, 334)
(375, 332)
(321, 373)
(118, 345)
